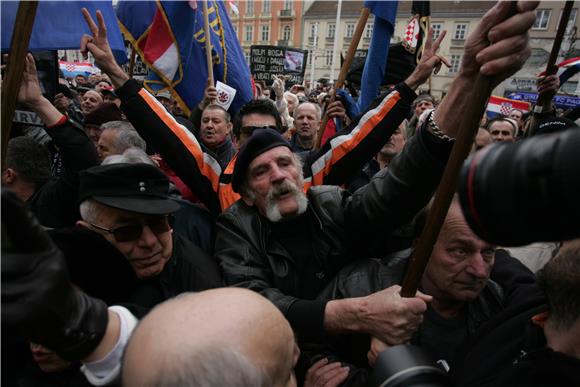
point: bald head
(217, 337)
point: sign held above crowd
(266, 62)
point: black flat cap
(140, 188)
(261, 141)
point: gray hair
(89, 210)
(129, 156)
(316, 107)
(127, 136)
(214, 106)
(211, 367)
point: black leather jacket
(342, 225)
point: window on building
(349, 31)
(265, 35)
(571, 20)
(437, 28)
(249, 7)
(331, 29)
(247, 57)
(266, 6)
(328, 57)
(286, 33)
(369, 31)
(542, 19)
(249, 35)
(288, 4)
(313, 30)
(455, 63)
(460, 32)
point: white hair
(129, 156)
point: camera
(407, 366)
(513, 194)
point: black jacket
(55, 203)
(341, 226)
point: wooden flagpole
(544, 100)
(447, 187)
(132, 61)
(14, 71)
(364, 15)
(207, 43)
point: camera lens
(407, 366)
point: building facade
(458, 18)
(266, 22)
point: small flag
(503, 106)
(72, 69)
(225, 94)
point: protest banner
(269, 61)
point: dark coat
(341, 225)
(55, 203)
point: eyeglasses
(250, 129)
(132, 232)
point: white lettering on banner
(26, 117)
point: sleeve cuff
(129, 89)
(439, 148)
(406, 92)
(307, 318)
(60, 122)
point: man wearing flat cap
(129, 205)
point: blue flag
(385, 13)
(173, 46)
(59, 25)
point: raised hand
(430, 61)
(29, 92)
(98, 46)
(498, 46)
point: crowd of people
(145, 246)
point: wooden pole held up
(545, 99)
(208, 56)
(447, 187)
(14, 70)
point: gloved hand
(38, 299)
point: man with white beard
(287, 244)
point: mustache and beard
(285, 187)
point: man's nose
(478, 267)
(277, 174)
(148, 238)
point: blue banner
(186, 30)
(59, 25)
(561, 101)
(374, 71)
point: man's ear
(8, 176)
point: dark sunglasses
(132, 232)
(250, 129)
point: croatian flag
(503, 106)
(72, 69)
(566, 69)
